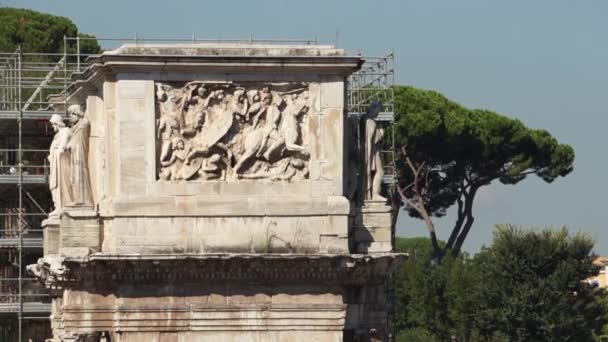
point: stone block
(80, 230)
(332, 138)
(51, 236)
(332, 93)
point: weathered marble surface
(221, 202)
(233, 296)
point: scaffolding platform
(28, 115)
(27, 179)
(14, 242)
(28, 307)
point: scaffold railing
(26, 82)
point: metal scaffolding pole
(65, 75)
(20, 188)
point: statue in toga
(59, 165)
(373, 162)
(79, 152)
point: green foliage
(602, 336)
(465, 149)
(416, 335)
(527, 286)
(432, 299)
(482, 143)
(39, 32)
(417, 247)
(534, 288)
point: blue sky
(544, 62)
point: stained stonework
(224, 202)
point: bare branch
(409, 186)
(405, 199)
(411, 165)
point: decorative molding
(325, 317)
(108, 270)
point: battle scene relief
(232, 132)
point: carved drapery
(69, 179)
(232, 132)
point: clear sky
(544, 62)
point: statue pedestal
(80, 232)
(373, 228)
(51, 236)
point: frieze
(232, 132)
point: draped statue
(79, 156)
(59, 162)
(374, 170)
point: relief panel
(232, 132)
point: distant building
(600, 280)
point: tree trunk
(457, 226)
(455, 231)
(469, 219)
(437, 252)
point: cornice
(342, 269)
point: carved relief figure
(373, 162)
(173, 155)
(297, 104)
(79, 153)
(59, 162)
(232, 131)
(285, 169)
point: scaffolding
(26, 81)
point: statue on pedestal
(79, 152)
(59, 165)
(373, 162)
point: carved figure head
(267, 98)
(215, 158)
(240, 95)
(254, 95)
(161, 94)
(75, 112)
(201, 91)
(373, 110)
(297, 163)
(178, 143)
(219, 94)
(57, 122)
